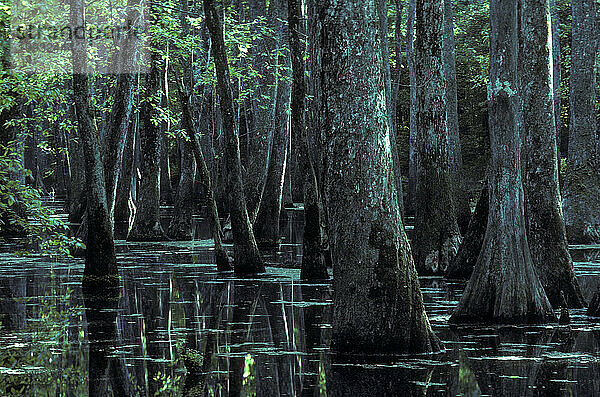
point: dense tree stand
(246, 255)
(437, 237)
(377, 301)
(581, 202)
(504, 287)
(545, 226)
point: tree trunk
(399, 64)
(246, 255)
(181, 223)
(221, 257)
(100, 259)
(437, 238)
(262, 104)
(504, 287)
(461, 266)
(581, 203)
(377, 302)
(459, 191)
(410, 60)
(545, 226)
(124, 203)
(313, 261)
(120, 115)
(385, 56)
(266, 225)
(146, 224)
(556, 70)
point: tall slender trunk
(246, 254)
(122, 109)
(556, 70)
(377, 301)
(459, 192)
(100, 259)
(123, 213)
(261, 124)
(313, 261)
(581, 202)
(410, 60)
(266, 225)
(504, 287)
(545, 226)
(385, 55)
(221, 257)
(437, 238)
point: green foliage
(22, 211)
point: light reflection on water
(179, 328)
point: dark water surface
(180, 328)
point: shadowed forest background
(288, 197)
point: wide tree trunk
(146, 224)
(377, 302)
(246, 255)
(437, 238)
(100, 259)
(459, 192)
(581, 202)
(313, 260)
(504, 287)
(545, 226)
(266, 225)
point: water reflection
(176, 327)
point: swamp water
(180, 328)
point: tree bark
(556, 70)
(221, 257)
(120, 115)
(437, 238)
(545, 226)
(377, 302)
(246, 255)
(313, 260)
(581, 204)
(180, 227)
(410, 60)
(385, 55)
(504, 287)
(146, 224)
(124, 203)
(100, 259)
(459, 191)
(266, 225)
(261, 124)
